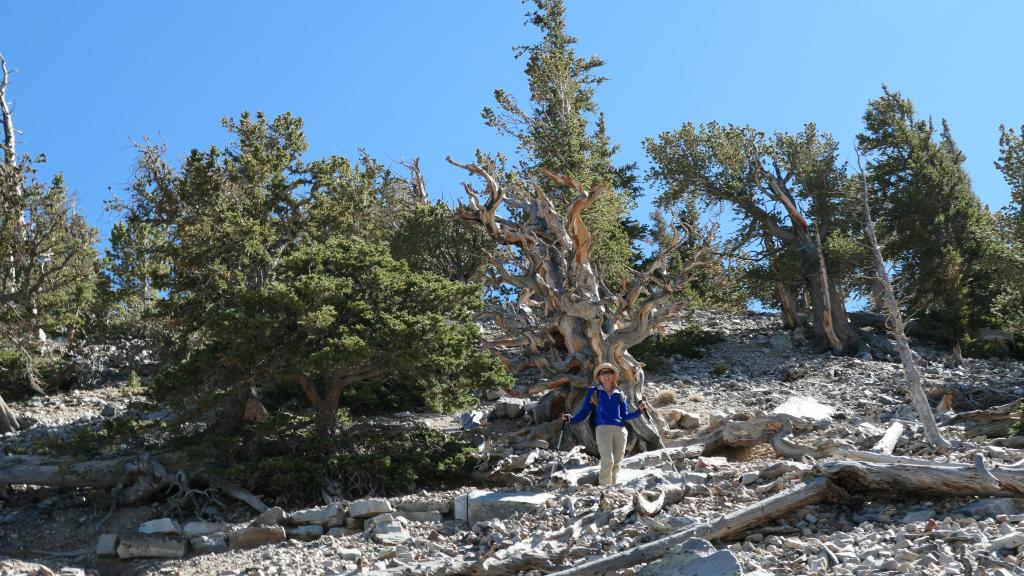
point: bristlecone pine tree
(46, 256)
(1009, 305)
(786, 191)
(566, 319)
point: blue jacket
(611, 408)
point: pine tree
(934, 229)
(280, 276)
(1009, 304)
(47, 260)
(563, 132)
(787, 192)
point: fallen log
(962, 480)
(994, 422)
(58, 472)
(889, 439)
(770, 508)
(843, 451)
(742, 433)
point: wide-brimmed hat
(606, 366)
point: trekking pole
(558, 454)
(640, 398)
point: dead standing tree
(913, 376)
(566, 318)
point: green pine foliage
(280, 273)
(430, 238)
(934, 229)
(563, 131)
(1009, 303)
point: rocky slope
(757, 370)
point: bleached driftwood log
(887, 443)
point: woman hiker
(611, 414)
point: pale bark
(910, 371)
(566, 318)
(8, 419)
(887, 443)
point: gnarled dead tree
(566, 319)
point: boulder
(209, 544)
(695, 557)
(510, 408)
(688, 421)
(342, 532)
(1011, 541)
(368, 507)
(492, 394)
(150, 547)
(271, 517)
(472, 420)
(392, 533)
(256, 536)
(106, 546)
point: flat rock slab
(160, 526)
(695, 557)
(330, 515)
(106, 546)
(391, 534)
(368, 507)
(193, 529)
(510, 408)
(485, 505)
(989, 508)
(256, 536)
(150, 547)
(805, 407)
(442, 506)
(427, 516)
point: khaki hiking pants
(611, 444)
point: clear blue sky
(407, 79)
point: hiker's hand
(643, 406)
(566, 418)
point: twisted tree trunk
(8, 419)
(565, 319)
